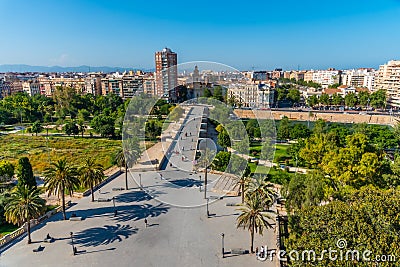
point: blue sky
(242, 34)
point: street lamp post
(223, 248)
(200, 183)
(205, 181)
(115, 210)
(72, 243)
(126, 176)
(208, 213)
(140, 180)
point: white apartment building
(359, 78)
(251, 95)
(31, 87)
(388, 78)
(326, 77)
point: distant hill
(29, 68)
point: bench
(239, 251)
(75, 218)
(103, 199)
(118, 189)
(40, 248)
(216, 197)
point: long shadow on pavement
(104, 235)
(134, 196)
(141, 212)
(125, 212)
(188, 182)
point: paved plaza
(179, 232)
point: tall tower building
(388, 78)
(166, 74)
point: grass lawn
(281, 151)
(7, 228)
(40, 151)
(51, 207)
(258, 168)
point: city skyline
(308, 35)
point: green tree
(103, 125)
(207, 93)
(337, 100)
(244, 181)
(6, 171)
(294, 95)
(63, 97)
(223, 139)
(284, 129)
(299, 131)
(253, 128)
(260, 187)
(312, 100)
(315, 148)
(81, 127)
(319, 126)
(36, 127)
(367, 220)
(363, 98)
(218, 93)
(83, 115)
(71, 128)
(90, 174)
(253, 217)
(219, 128)
(378, 99)
(131, 153)
(335, 85)
(281, 93)
(221, 161)
(24, 205)
(325, 99)
(25, 173)
(61, 178)
(305, 190)
(350, 100)
(119, 159)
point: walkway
(175, 236)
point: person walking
(145, 222)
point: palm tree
(91, 173)
(253, 217)
(244, 181)
(263, 189)
(120, 161)
(206, 159)
(128, 156)
(61, 177)
(23, 205)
